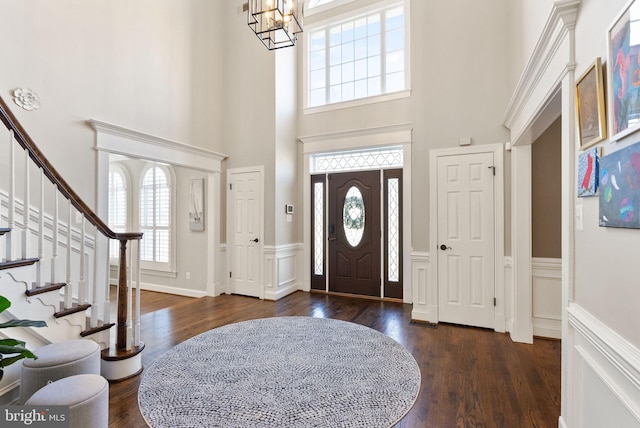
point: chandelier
(275, 22)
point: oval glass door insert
(353, 216)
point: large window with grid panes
(155, 217)
(362, 56)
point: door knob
(254, 240)
(444, 247)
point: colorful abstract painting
(620, 188)
(624, 73)
(588, 168)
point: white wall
(151, 65)
(526, 21)
(458, 69)
(606, 279)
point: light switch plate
(579, 218)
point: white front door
(245, 210)
(466, 276)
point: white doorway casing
(395, 135)
(114, 139)
(548, 79)
(427, 310)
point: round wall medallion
(26, 98)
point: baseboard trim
(172, 290)
(562, 423)
(280, 292)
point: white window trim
(170, 266)
(309, 11)
(367, 100)
(127, 179)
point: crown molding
(128, 142)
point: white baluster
(137, 310)
(94, 281)
(68, 294)
(129, 296)
(38, 282)
(25, 208)
(107, 288)
(82, 283)
(56, 225)
(11, 222)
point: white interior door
(466, 265)
(245, 210)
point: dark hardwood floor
(470, 377)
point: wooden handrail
(25, 141)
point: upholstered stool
(56, 361)
(87, 396)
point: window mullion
(154, 217)
(327, 65)
(383, 52)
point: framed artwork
(588, 172)
(590, 103)
(196, 205)
(623, 72)
(620, 188)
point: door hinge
(229, 274)
(494, 302)
(230, 186)
(493, 168)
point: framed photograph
(196, 205)
(623, 72)
(590, 103)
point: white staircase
(55, 264)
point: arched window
(155, 218)
(118, 205)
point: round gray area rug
(281, 372)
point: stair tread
(4, 230)
(72, 310)
(45, 288)
(17, 263)
(91, 330)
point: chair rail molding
(608, 368)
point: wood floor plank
(470, 377)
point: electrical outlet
(188, 275)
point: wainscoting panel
(547, 297)
(425, 305)
(604, 377)
(282, 270)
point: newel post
(125, 359)
(123, 298)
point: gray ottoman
(87, 396)
(56, 361)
